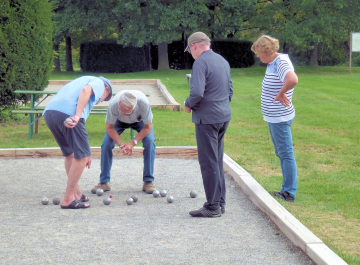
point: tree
(162, 21)
(26, 47)
(82, 20)
(304, 25)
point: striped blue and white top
(275, 112)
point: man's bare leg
(68, 162)
(75, 171)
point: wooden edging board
(173, 105)
(287, 223)
(162, 151)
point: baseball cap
(108, 84)
(195, 38)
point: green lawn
(325, 132)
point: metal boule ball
(56, 200)
(156, 193)
(170, 199)
(45, 201)
(163, 193)
(99, 192)
(193, 194)
(68, 120)
(107, 200)
(135, 198)
(129, 201)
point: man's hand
(127, 148)
(187, 109)
(75, 120)
(283, 99)
(88, 164)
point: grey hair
(128, 99)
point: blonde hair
(265, 44)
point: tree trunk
(163, 56)
(56, 57)
(346, 46)
(149, 54)
(69, 64)
(286, 48)
(314, 55)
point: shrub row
(110, 57)
(26, 48)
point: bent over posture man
(210, 95)
(128, 109)
(75, 101)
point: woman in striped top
(278, 111)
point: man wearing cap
(128, 109)
(209, 100)
(75, 101)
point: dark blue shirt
(211, 89)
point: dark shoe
(287, 197)
(203, 212)
(76, 204)
(222, 209)
(84, 198)
(103, 186)
(277, 194)
(284, 196)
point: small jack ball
(163, 193)
(156, 193)
(107, 201)
(193, 194)
(129, 201)
(135, 198)
(170, 199)
(68, 120)
(45, 201)
(110, 196)
(99, 192)
(56, 200)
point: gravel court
(151, 231)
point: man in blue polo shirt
(75, 101)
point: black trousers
(210, 145)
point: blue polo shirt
(66, 99)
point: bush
(106, 56)
(110, 57)
(26, 48)
(237, 53)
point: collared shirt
(142, 111)
(66, 99)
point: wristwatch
(135, 142)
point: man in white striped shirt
(276, 105)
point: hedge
(110, 57)
(106, 56)
(26, 48)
